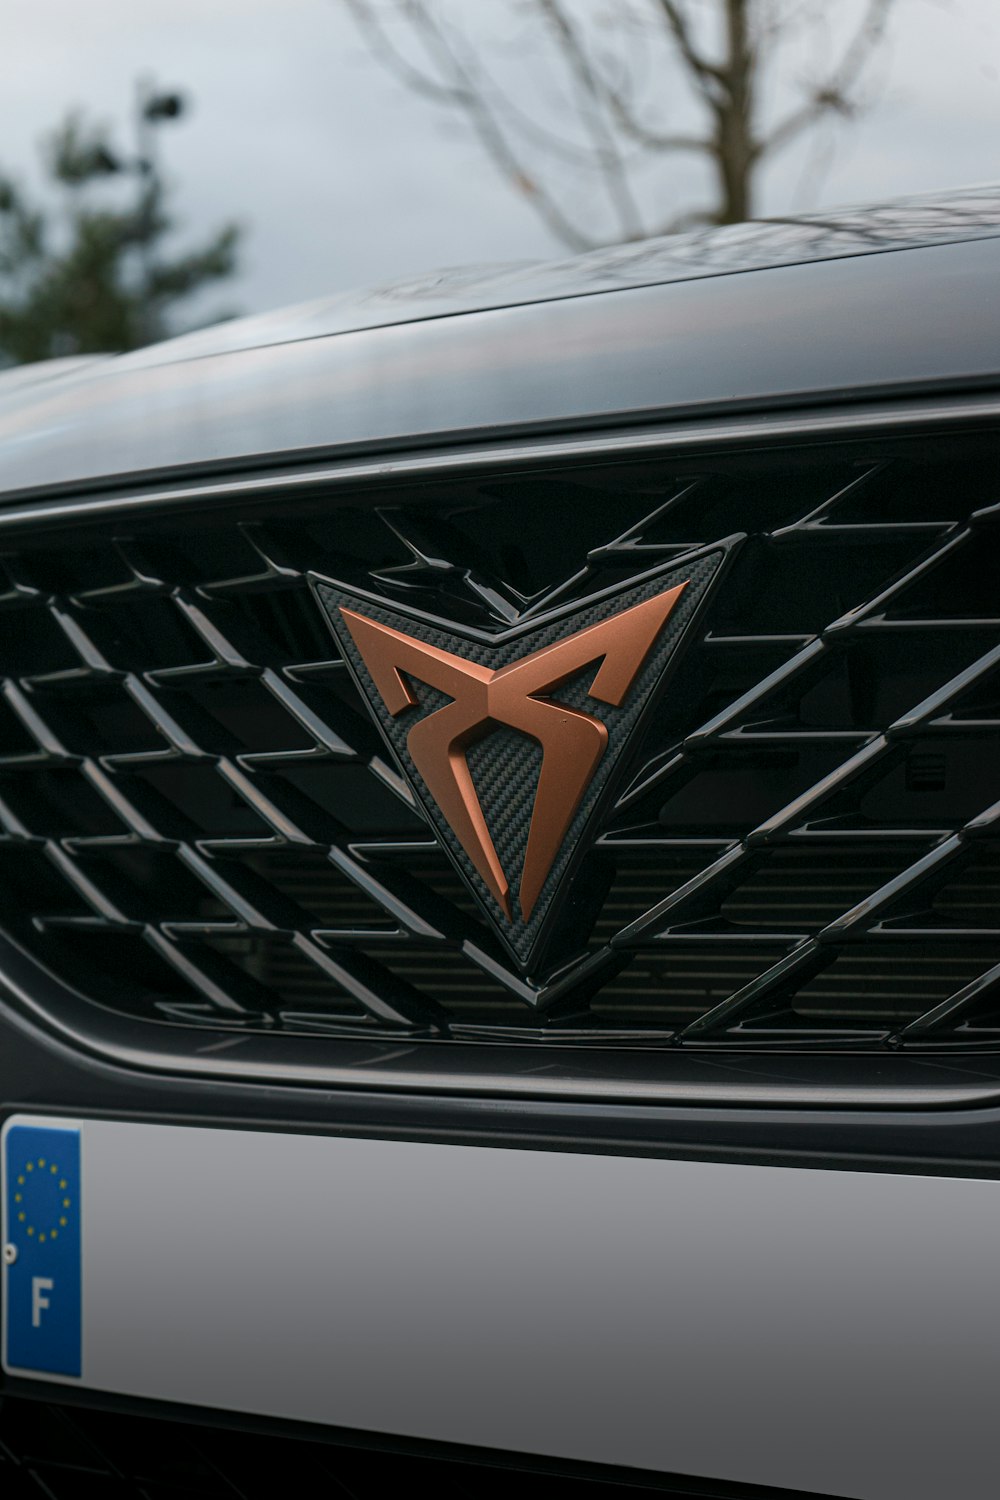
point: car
(500, 852)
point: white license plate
(822, 1330)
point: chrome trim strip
(821, 422)
(401, 1065)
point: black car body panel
(777, 336)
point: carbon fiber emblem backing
(512, 742)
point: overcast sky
(343, 177)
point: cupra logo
(511, 740)
(573, 743)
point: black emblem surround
(505, 765)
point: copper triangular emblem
(511, 742)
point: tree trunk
(735, 145)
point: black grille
(49, 1452)
(201, 825)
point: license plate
(823, 1330)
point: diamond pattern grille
(73, 1452)
(200, 824)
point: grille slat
(806, 846)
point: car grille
(199, 823)
(74, 1452)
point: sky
(343, 177)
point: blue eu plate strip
(42, 1251)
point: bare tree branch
(614, 98)
(387, 52)
(608, 130)
(705, 74)
(832, 96)
(591, 95)
(489, 129)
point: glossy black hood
(862, 303)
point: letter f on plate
(39, 1302)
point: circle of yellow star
(47, 1231)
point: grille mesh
(200, 824)
(52, 1452)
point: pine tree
(90, 273)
